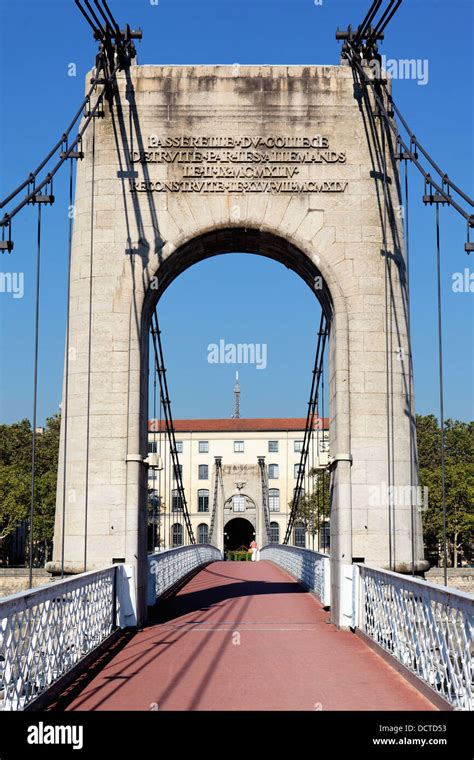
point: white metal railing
(46, 631)
(428, 628)
(168, 567)
(309, 567)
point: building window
(298, 446)
(273, 499)
(324, 443)
(203, 447)
(238, 447)
(300, 535)
(274, 533)
(273, 471)
(152, 447)
(203, 472)
(273, 446)
(203, 500)
(179, 447)
(176, 501)
(203, 533)
(177, 535)
(238, 503)
(176, 469)
(325, 537)
(297, 469)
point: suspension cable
(101, 29)
(154, 524)
(64, 410)
(383, 21)
(97, 33)
(311, 496)
(116, 51)
(316, 377)
(89, 349)
(218, 478)
(411, 410)
(35, 392)
(165, 486)
(110, 16)
(31, 179)
(158, 349)
(435, 192)
(444, 187)
(265, 504)
(364, 27)
(441, 395)
(388, 353)
(318, 454)
(323, 484)
(160, 484)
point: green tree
(314, 508)
(15, 486)
(459, 486)
(15, 481)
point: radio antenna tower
(236, 414)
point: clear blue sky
(214, 299)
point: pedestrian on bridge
(255, 551)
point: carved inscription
(245, 164)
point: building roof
(239, 425)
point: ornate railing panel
(46, 631)
(428, 628)
(168, 567)
(311, 568)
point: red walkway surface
(246, 636)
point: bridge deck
(246, 636)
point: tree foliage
(15, 479)
(459, 486)
(314, 507)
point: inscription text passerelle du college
(245, 164)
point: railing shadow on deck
(203, 599)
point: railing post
(114, 598)
(345, 598)
(355, 596)
(326, 600)
(126, 598)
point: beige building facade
(227, 500)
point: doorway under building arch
(238, 532)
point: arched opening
(172, 261)
(238, 532)
(244, 240)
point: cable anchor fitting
(6, 243)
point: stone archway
(161, 204)
(238, 532)
(317, 272)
